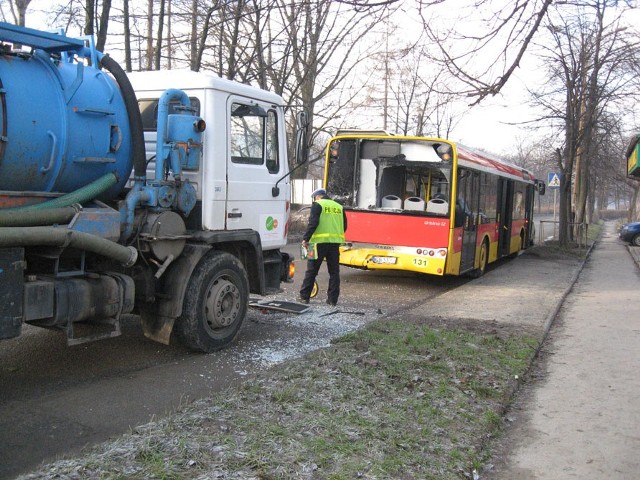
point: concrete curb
(635, 254)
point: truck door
(255, 162)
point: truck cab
(243, 152)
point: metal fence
(549, 231)
(301, 190)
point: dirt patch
(476, 326)
(551, 251)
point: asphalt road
(56, 400)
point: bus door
(466, 215)
(529, 216)
(505, 207)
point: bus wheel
(482, 261)
(215, 304)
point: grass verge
(393, 400)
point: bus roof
(475, 159)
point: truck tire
(215, 303)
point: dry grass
(393, 400)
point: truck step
(84, 332)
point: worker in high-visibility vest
(326, 227)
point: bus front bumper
(379, 259)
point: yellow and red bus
(427, 205)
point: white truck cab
(243, 153)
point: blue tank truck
(162, 194)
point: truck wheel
(215, 304)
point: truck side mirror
(302, 135)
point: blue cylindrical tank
(63, 124)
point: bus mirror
(541, 187)
(444, 151)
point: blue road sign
(554, 180)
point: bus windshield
(407, 175)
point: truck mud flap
(11, 298)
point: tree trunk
(196, 61)
(634, 202)
(21, 6)
(169, 37)
(158, 49)
(89, 8)
(103, 25)
(149, 34)
(127, 36)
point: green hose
(32, 218)
(63, 237)
(82, 195)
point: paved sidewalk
(582, 418)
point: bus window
(391, 183)
(518, 203)
(466, 199)
(342, 167)
(438, 193)
(488, 198)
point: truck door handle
(234, 215)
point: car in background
(630, 232)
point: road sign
(554, 180)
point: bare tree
(102, 21)
(127, 34)
(19, 10)
(159, 37)
(510, 29)
(589, 63)
(150, 55)
(325, 37)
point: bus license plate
(384, 260)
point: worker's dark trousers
(330, 251)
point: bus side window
(462, 217)
(342, 171)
